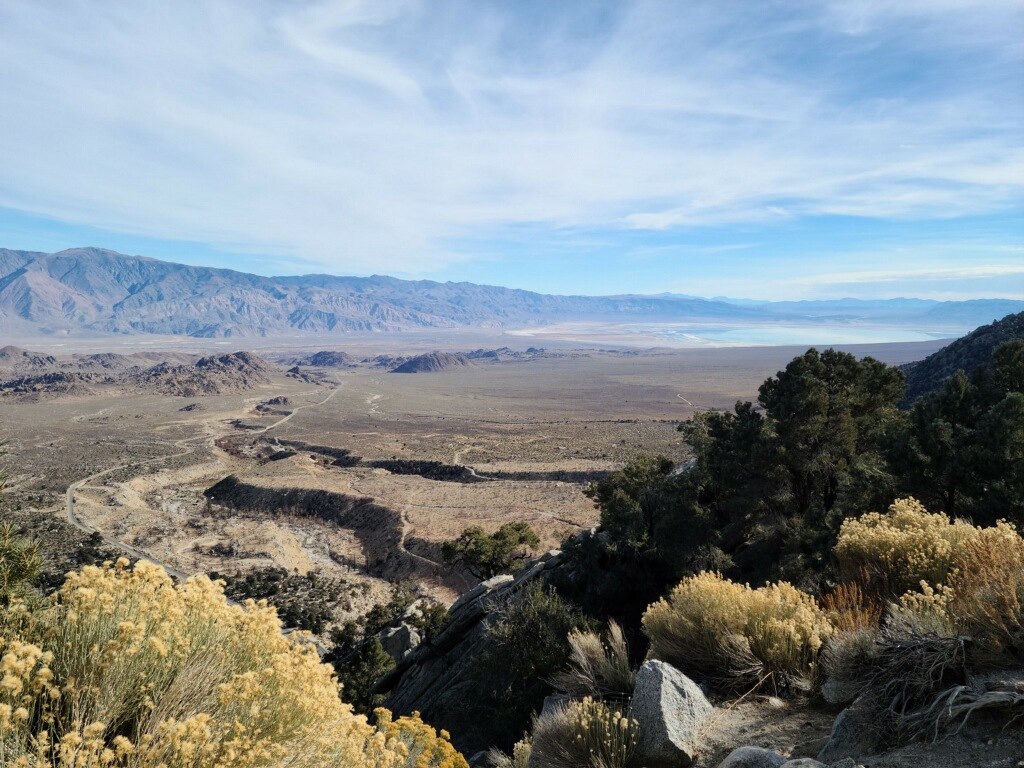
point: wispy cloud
(903, 275)
(365, 135)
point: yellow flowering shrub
(986, 595)
(420, 745)
(581, 734)
(950, 576)
(735, 635)
(139, 672)
(898, 550)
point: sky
(765, 149)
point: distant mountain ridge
(99, 291)
(95, 291)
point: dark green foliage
(19, 564)
(305, 602)
(486, 555)
(634, 500)
(936, 453)
(367, 664)
(964, 450)
(966, 354)
(650, 531)
(776, 483)
(508, 679)
(826, 412)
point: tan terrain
(529, 433)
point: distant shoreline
(462, 340)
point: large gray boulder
(670, 709)
(752, 757)
(854, 734)
(804, 762)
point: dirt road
(129, 549)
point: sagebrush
(123, 668)
(737, 636)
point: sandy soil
(800, 728)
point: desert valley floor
(357, 471)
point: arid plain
(354, 470)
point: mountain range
(92, 291)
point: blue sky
(762, 149)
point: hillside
(432, 362)
(967, 353)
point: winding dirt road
(138, 553)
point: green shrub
(19, 564)
(486, 555)
(358, 673)
(736, 636)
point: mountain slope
(98, 291)
(967, 353)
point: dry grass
(597, 668)
(583, 734)
(965, 611)
(987, 599)
(850, 608)
(949, 577)
(520, 757)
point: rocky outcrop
(53, 383)
(223, 374)
(329, 359)
(671, 709)
(433, 362)
(429, 677)
(401, 637)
